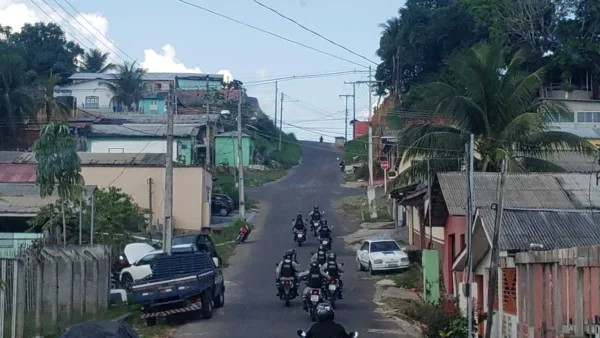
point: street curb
(123, 317)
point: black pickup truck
(184, 281)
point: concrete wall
(182, 147)
(145, 106)
(192, 188)
(559, 291)
(89, 88)
(226, 151)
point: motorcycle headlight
(378, 261)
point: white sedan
(381, 255)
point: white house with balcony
(90, 95)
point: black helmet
(325, 312)
(289, 254)
(316, 207)
(321, 247)
(331, 256)
(314, 264)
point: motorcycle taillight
(333, 281)
(315, 292)
(287, 282)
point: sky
(170, 36)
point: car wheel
(359, 265)
(206, 304)
(223, 212)
(371, 271)
(127, 281)
(219, 301)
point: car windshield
(191, 239)
(384, 246)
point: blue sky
(200, 40)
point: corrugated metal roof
(147, 76)
(9, 156)
(572, 161)
(29, 189)
(17, 173)
(230, 134)
(554, 229)
(584, 133)
(24, 204)
(523, 190)
(155, 95)
(143, 130)
(142, 159)
(153, 119)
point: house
(339, 141)
(188, 146)
(580, 100)
(92, 95)
(19, 202)
(226, 150)
(526, 230)
(565, 191)
(153, 103)
(360, 128)
(142, 176)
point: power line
(270, 33)
(304, 76)
(97, 30)
(312, 31)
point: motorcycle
(299, 237)
(302, 333)
(243, 234)
(333, 291)
(312, 301)
(289, 290)
(313, 226)
(326, 242)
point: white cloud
(227, 75)
(165, 61)
(261, 74)
(16, 14)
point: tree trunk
(64, 221)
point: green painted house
(153, 103)
(226, 151)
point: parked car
(381, 255)
(221, 205)
(201, 241)
(138, 269)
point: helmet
(314, 264)
(289, 254)
(316, 207)
(325, 312)
(331, 256)
(321, 247)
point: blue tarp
(101, 329)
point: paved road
(251, 308)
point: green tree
(94, 61)
(49, 102)
(128, 85)
(495, 101)
(15, 103)
(46, 50)
(58, 166)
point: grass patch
(252, 204)
(358, 206)
(410, 279)
(256, 178)
(223, 237)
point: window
(157, 86)
(588, 117)
(146, 259)
(384, 246)
(463, 244)
(92, 102)
(365, 246)
(453, 246)
(509, 290)
(153, 106)
(116, 150)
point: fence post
(83, 288)
(579, 302)
(20, 297)
(3, 266)
(53, 287)
(39, 287)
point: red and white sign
(385, 165)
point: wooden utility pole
(346, 96)
(240, 158)
(280, 119)
(150, 211)
(208, 127)
(353, 108)
(168, 223)
(276, 94)
(493, 281)
(469, 232)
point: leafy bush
(410, 279)
(446, 320)
(356, 149)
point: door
(364, 254)
(142, 268)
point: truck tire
(207, 304)
(219, 300)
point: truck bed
(174, 281)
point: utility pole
(371, 187)
(276, 94)
(353, 108)
(208, 135)
(240, 158)
(493, 281)
(150, 211)
(429, 205)
(469, 232)
(346, 119)
(168, 226)
(280, 119)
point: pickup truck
(183, 281)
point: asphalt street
(251, 307)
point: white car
(381, 255)
(139, 256)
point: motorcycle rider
(320, 256)
(315, 214)
(298, 225)
(326, 327)
(314, 280)
(324, 231)
(334, 271)
(287, 268)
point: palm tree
(94, 61)
(15, 103)
(498, 103)
(128, 84)
(49, 102)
